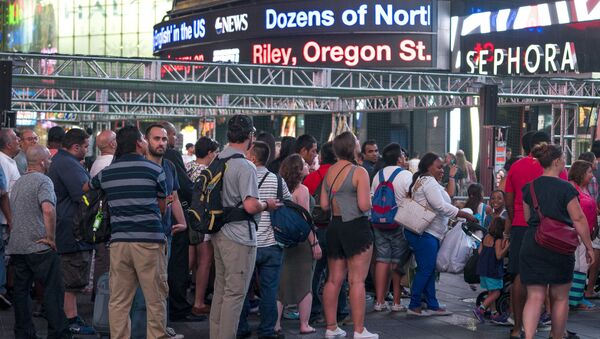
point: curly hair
(291, 171)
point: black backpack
(83, 221)
(206, 212)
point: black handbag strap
(536, 206)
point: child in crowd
(490, 268)
(476, 204)
(498, 208)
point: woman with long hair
(286, 148)
(298, 262)
(201, 254)
(346, 192)
(426, 189)
(543, 269)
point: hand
(589, 255)
(48, 242)
(178, 228)
(505, 243)
(453, 170)
(271, 204)
(316, 252)
(471, 218)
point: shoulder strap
(380, 176)
(334, 180)
(262, 181)
(279, 187)
(536, 206)
(394, 174)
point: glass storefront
(87, 27)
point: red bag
(553, 234)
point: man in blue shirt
(68, 177)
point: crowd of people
(153, 258)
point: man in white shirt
(106, 142)
(391, 248)
(9, 148)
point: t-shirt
(21, 160)
(133, 186)
(314, 179)
(588, 205)
(553, 196)
(26, 198)
(193, 170)
(268, 190)
(523, 171)
(239, 182)
(401, 182)
(11, 175)
(68, 177)
(100, 163)
(172, 185)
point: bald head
(106, 142)
(36, 156)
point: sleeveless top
(346, 198)
(488, 265)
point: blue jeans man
(268, 265)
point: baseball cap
(242, 123)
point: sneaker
(291, 315)
(4, 302)
(78, 326)
(398, 308)
(365, 335)
(478, 312)
(545, 319)
(337, 333)
(440, 312)
(501, 319)
(172, 334)
(420, 313)
(384, 306)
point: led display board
(348, 34)
(559, 37)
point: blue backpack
(383, 203)
(291, 222)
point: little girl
(490, 268)
(476, 204)
(498, 208)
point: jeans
(138, 308)
(178, 269)
(268, 266)
(320, 276)
(3, 241)
(44, 267)
(425, 247)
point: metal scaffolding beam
(104, 89)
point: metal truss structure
(104, 89)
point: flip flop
(308, 332)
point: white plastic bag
(455, 251)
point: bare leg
(490, 299)
(381, 281)
(536, 294)
(331, 291)
(279, 314)
(396, 285)
(304, 309)
(560, 309)
(593, 275)
(517, 296)
(70, 305)
(204, 257)
(358, 268)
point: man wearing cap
(235, 245)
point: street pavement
(452, 292)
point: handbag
(553, 234)
(414, 216)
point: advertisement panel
(348, 34)
(558, 37)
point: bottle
(98, 218)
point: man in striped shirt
(269, 255)
(136, 191)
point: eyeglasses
(30, 139)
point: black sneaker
(5, 304)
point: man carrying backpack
(389, 186)
(235, 244)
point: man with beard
(156, 136)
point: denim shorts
(391, 246)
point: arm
(527, 211)
(181, 224)
(501, 247)
(363, 191)
(580, 222)
(49, 213)
(509, 203)
(5, 208)
(451, 187)
(324, 196)
(434, 197)
(301, 197)
(254, 206)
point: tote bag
(414, 216)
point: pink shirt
(522, 172)
(588, 205)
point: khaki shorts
(75, 269)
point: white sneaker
(365, 335)
(398, 308)
(337, 333)
(384, 306)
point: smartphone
(453, 162)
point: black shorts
(75, 270)
(514, 249)
(347, 239)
